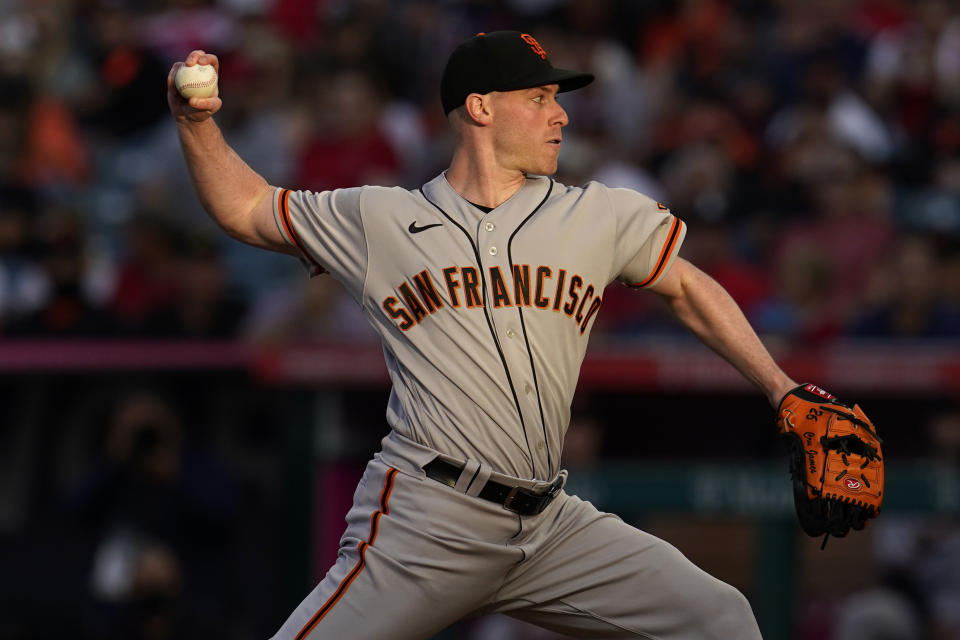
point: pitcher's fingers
(173, 72)
(194, 56)
(206, 104)
(211, 59)
(199, 56)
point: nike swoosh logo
(413, 228)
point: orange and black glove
(835, 460)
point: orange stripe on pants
(361, 548)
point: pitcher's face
(527, 129)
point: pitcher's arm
(708, 311)
(235, 196)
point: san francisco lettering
(542, 287)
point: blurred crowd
(130, 509)
(812, 146)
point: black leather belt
(520, 500)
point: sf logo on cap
(537, 49)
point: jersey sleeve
(327, 229)
(648, 238)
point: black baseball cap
(501, 61)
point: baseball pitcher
(483, 285)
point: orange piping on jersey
(357, 568)
(288, 226)
(664, 254)
(374, 523)
(385, 494)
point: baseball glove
(835, 461)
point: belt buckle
(543, 499)
(508, 502)
(555, 488)
(550, 494)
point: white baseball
(198, 81)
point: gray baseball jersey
(484, 319)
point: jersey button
(527, 388)
(492, 251)
(541, 445)
(489, 226)
(511, 333)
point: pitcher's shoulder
(587, 191)
(375, 196)
(591, 187)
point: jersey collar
(519, 205)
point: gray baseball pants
(418, 555)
